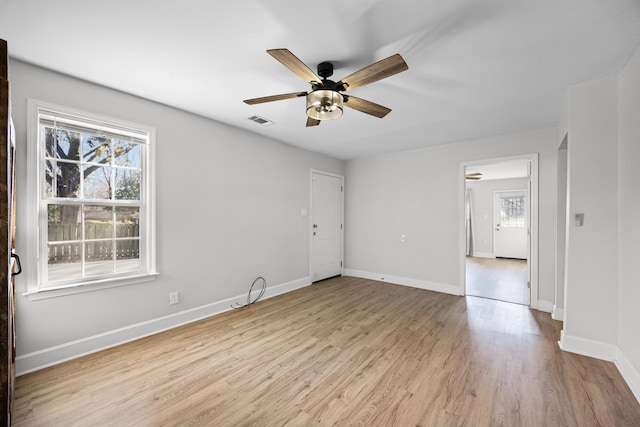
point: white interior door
(326, 226)
(511, 219)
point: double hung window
(95, 207)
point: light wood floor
(498, 278)
(341, 352)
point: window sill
(78, 288)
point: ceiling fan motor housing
(325, 69)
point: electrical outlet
(174, 298)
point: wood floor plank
(342, 352)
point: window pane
(98, 258)
(127, 222)
(127, 184)
(97, 182)
(96, 149)
(98, 250)
(68, 180)
(68, 147)
(126, 154)
(512, 212)
(49, 135)
(64, 261)
(63, 223)
(65, 253)
(127, 255)
(98, 222)
(51, 172)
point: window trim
(33, 193)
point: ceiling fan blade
(312, 122)
(374, 72)
(474, 174)
(365, 106)
(289, 60)
(472, 178)
(274, 98)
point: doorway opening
(499, 224)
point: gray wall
(591, 264)
(228, 210)
(417, 194)
(561, 233)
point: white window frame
(36, 215)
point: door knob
(315, 225)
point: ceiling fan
(473, 176)
(325, 101)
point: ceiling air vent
(261, 120)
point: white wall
(561, 214)
(591, 288)
(417, 194)
(629, 215)
(228, 210)
(482, 200)
(561, 233)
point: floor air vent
(261, 120)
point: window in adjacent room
(95, 200)
(512, 212)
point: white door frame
(533, 224)
(310, 225)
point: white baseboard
(588, 347)
(629, 373)
(483, 255)
(61, 353)
(542, 305)
(557, 313)
(405, 281)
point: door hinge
(340, 263)
(529, 285)
(340, 226)
(341, 188)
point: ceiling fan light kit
(325, 102)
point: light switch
(578, 220)
(303, 212)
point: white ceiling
(476, 68)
